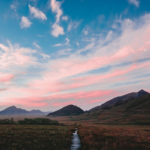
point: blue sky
(83, 52)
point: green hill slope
(133, 111)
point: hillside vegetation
(120, 99)
(133, 111)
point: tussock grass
(99, 138)
(35, 137)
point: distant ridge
(13, 110)
(120, 99)
(67, 110)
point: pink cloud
(42, 88)
(6, 104)
(98, 78)
(34, 101)
(63, 69)
(23, 103)
(16, 56)
(3, 89)
(3, 47)
(70, 68)
(34, 104)
(57, 81)
(95, 101)
(6, 77)
(80, 95)
(77, 95)
(63, 104)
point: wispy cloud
(35, 44)
(59, 44)
(55, 5)
(72, 76)
(101, 18)
(88, 47)
(85, 32)
(67, 41)
(64, 52)
(45, 56)
(73, 25)
(40, 35)
(57, 29)
(134, 2)
(77, 43)
(3, 89)
(14, 55)
(99, 57)
(63, 44)
(65, 18)
(14, 7)
(6, 77)
(25, 23)
(37, 13)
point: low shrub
(26, 121)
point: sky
(82, 52)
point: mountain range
(126, 108)
(18, 111)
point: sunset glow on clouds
(51, 57)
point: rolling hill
(67, 110)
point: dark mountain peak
(142, 92)
(12, 107)
(71, 105)
(67, 110)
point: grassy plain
(93, 135)
(104, 137)
(35, 137)
(97, 135)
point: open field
(93, 135)
(35, 137)
(114, 138)
(70, 120)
